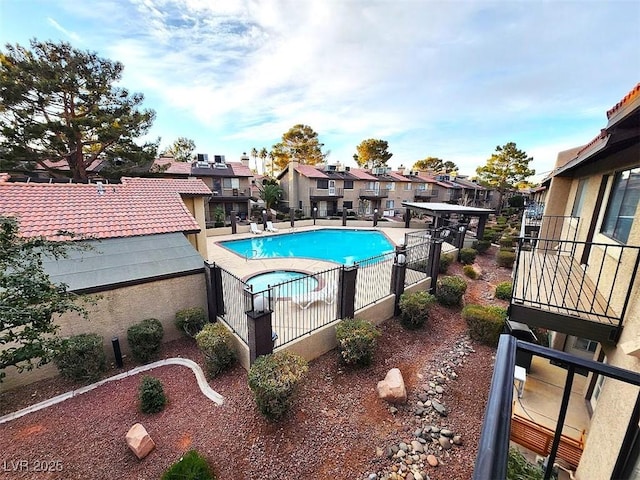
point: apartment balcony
(372, 194)
(573, 287)
(230, 194)
(425, 195)
(325, 193)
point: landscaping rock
(392, 388)
(432, 460)
(139, 441)
(438, 407)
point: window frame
(618, 197)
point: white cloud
(72, 35)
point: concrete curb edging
(185, 362)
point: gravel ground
(336, 430)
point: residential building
(578, 278)
(233, 184)
(147, 246)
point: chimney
(4, 177)
(401, 169)
(244, 158)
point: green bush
(449, 290)
(470, 272)
(356, 341)
(216, 343)
(446, 260)
(518, 468)
(151, 395)
(81, 357)
(190, 320)
(485, 322)
(468, 256)
(505, 258)
(145, 339)
(501, 220)
(414, 309)
(506, 242)
(273, 380)
(192, 466)
(482, 246)
(503, 290)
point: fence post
(407, 218)
(264, 219)
(215, 297)
(398, 274)
(460, 236)
(233, 221)
(434, 260)
(259, 327)
(375, 217)
(347, 291)
(344, 217)
(292, 217)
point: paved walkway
(202, 383)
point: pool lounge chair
(270, 227)
(254, 228)
(327, 294)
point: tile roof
(310, 171)
(635, 92)
(240, 169)
(231, 169)
(168, 165)
(137, 206)
(362, 174)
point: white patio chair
(270, 227)
(327, 294)
(254, 228)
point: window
(322, 183)
(228, 183)
(391, 186)
(407, 186)
(623, 202)
(348, 184)
(580, 196)
(585, 344)
(347, 205)
(389, 204)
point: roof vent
(100, 186)
(202, 157)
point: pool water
(341, 246)
(262, 281)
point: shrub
(506, 242)
(356, 341)
(468, 256)
(273, 379)
(445, 260)
(81, 357)
(449, 290)
(192, 466)
(482, 246)
(505, 258)
(151, 395)
(503, 290)
(489, 235)
(485, 322)
(190, 320)
(470, 272)
(501, 220)
(216, 343)
(414, 309)
(519, 468)
(145, 338)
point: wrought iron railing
(326, 192)
(561, 227)
(373, 193)
(373, 281)
(237, 301)
(493, 448)
(575, 278)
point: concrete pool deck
(243, 268)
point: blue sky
(450, 79)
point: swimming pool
(335, 245)
(262, 281)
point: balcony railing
(579, 288)
(425, 194)
(326, 192)
(549, 226)
(493, 448)
(373, 193)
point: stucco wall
(116, 310)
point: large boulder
(392, 388)
(139, 441)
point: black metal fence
(493, 448)
(373, 281)
(236, 302)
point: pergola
(438, 210)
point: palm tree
(254, 154)
(263, 155)
(271, 193)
